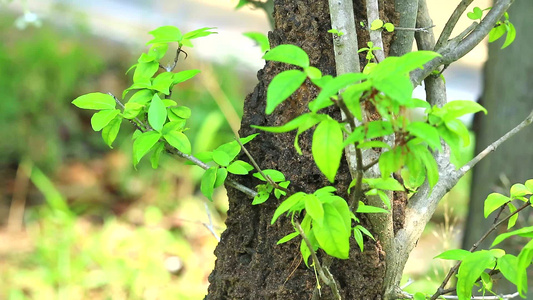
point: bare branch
(467, 167)
(209, 225)
(452, 22)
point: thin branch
(324, 273)
(453, 270)
(372, 12)
(452, 22)
(209, 225)
(171, 68)
(467, 167)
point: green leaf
(132, 110)
(389, 183)
(524, 232)
(429, 162)
(199, 33)
(222, 173)
(376, 24)
(157, 113)
(368, 209)
(144, 72)
(157, 51)
(512, 220)
(313, 73)
(457, 127)
(142, 97)
(240, 167)
(275, 175)
(497, 32)
(207, 184)
(511, 35)
(352, 95)
(398, 87)
(414, 175)
(143, 143)
(97, 101)
(221, 158)
(156, 155)
(289, 126)
(247, 139)
(389, 27)
(519, 190)
(287, 238)
(232, 149)
(184, 76)
(110, 132)
(100, 119)
(493, 202)
(524, 261)
(314, 208)
(454, 109)
(454, 254)
(261, 197)
(181, 111)
(470, 270)
(390, 162)
(419, 296)
(172, 126)
(358, 236)
(287, 205)
(332, 88)
(426, 132)
(179, 141)
(166, 34)
(332, 235)
(282, 86)
(376, 129)
(373, 144)
(260, 38)
(529, 185)
(476, 14)
(163, 82)
(508, 265)
(289, 54)
(414, 60)
(327, 147)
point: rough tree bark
(249, 263)
(507, 96)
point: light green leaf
(100, 119)
(313, 73)
(529, 185)
(426, 132)
(476, 14)
(511, 35)
(97, 101)
(497, 32)
(132, 110)
(157, 51)
(222, 173)
(332, 235)
(352, 95)
(144, 72)
(524, 261)
(142, 97)
(287, 205)
(429, 162)
(389, 183)
(240, 167)
(414, 174)
(289, 54)
(508, 265)
(247, 139)
(166, 34)
(358, 236)
(110, 132)
(419, 296)
(221, 158)
(390, 162)
(261, 197)
(207, 185)
(314, 208)
(470, 270)
(373, 144)
(376, 24)
(260, 38)
(454, 254)
(232, 149)
(289, 126)
(199, 33)
(368, 209)
(184, 76)
(332, 88)
(287, 238)
(493, 202)
(179, 141)
(163, 82)
(376, 129)
(398, 87)
(157, 113)
(414, 60)
(275, 175)
(389, 27)
(457, 108)
(182, 111)
(327, 147)
(512, 220)
(156, 155)
(457, 127)
(282, 86)
(144, 143)
(172, 126)
(524, 232)
(519, 190)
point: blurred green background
(77, 221)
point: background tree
(508, 82)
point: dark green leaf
(327, 147)
(289, 54)
(100, 119)
(157, 113)
(97, 101)
(282, 86)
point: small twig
(137, 123)
(453, 270)
(209, 226)
(324, 274)
(452, 22)
(421, 29)
(173, 66)
(468, 166)
(408, 283)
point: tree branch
(452, 22)
(407, 9)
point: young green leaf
(157, 113)
(156, 155)
(132, 110)
(179, 141)
(289, 126)
(221, 158)
(165, 34)
(389, 27)
(275, 175)
(398, 87)
(454, 254)
(389, 184)
(199, 33)
(524, 261)
(332, 88)
(313, 207)
(287, 238)
(181, 111)
(261, 197)
(110, 132)
(142, 97)
(470, 270)
(327, 147)
(289, 54)
(240, 167)
(457, 108)
(163, 82)
(207, 185)
(376, 129)
(476, 14)
(511, 35)
(519, 190)
(231, 149)
(429, 162)
(332, 235)
(358, 236)
(524, 232)
(497, 32)
(287, 205)
(458, 128)
(97, 101)
(184, 76)
(426, 132)
(222, 173)
(260, 38)
(282, 86)
(144, 143)
(144, 72)
(368, 209)
(493, 202)
(376, 24)
(100, 119)
(508, 265)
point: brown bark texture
(249, 263)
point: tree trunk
(249, 263)
(507, 96)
